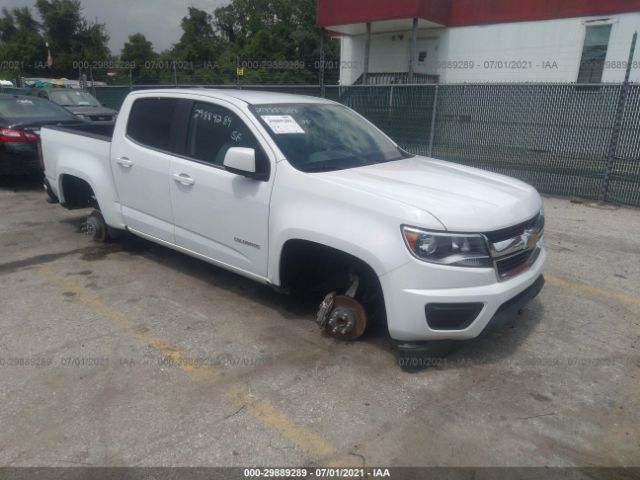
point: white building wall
(351, 55)
(543, 51)
(389, 53)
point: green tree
(196, 54)
(278, 39)
(61, 21)
(198, 41)
(21, 45)
(91, 42)
(225, 23)
(72, 40)
(138, 52)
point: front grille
(510, 232)
(513, 265)
(515, 248)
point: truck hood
(463, 199)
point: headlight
(453, 249)
(81, 117)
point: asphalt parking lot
(131, 354)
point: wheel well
(309, 267)
(77, 193)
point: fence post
(93, 84)
(321, 69)
(433, 120)
(237, 70)
(414, 43)
(617, 124)
(175, 74)
(367, 54)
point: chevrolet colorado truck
(301, 192)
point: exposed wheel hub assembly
(342, 316)
(95, 227)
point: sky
(158, 20)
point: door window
(150, 122)
(213, 130)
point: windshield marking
(282, 124)
(324, 137)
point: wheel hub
(341, 321)
(95, 227)
(346, 318)
(89, 229)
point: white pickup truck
(300, 192)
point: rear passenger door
(140, 161)
(218, 214)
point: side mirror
(241, 161)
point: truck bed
(81, 151)
(98, 130)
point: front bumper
(408, 289)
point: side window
(213, 130)
(150, 122)
(594, 53)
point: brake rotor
(347, 320)
(95, 227)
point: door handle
(183, 178)
(124, 162)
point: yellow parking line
(180, 358)
(621, 297)
(308, 441)
(278, 420)
(631, 389)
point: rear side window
(150, 122)
(213, 130)
(27, 108)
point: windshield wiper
(320, 168)
(402, 155)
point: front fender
(365, 225)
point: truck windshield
(324, 137)
(73, 98)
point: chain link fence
(556, 137)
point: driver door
(218, 214)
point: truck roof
(251, 97)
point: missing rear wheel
(95, 227)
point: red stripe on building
(476, 12)
(343, 12)
(465, 12)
